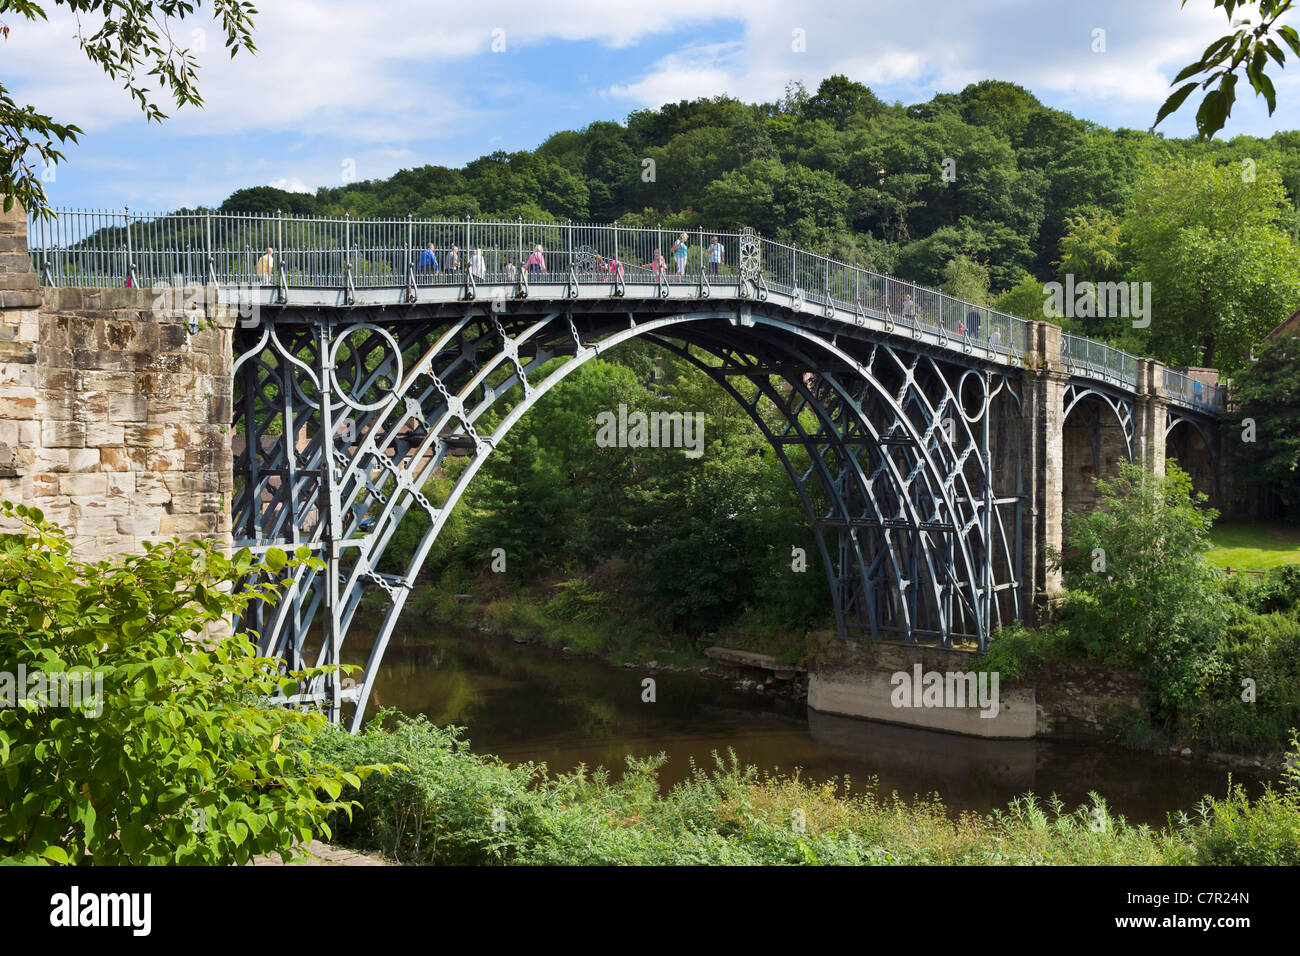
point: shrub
(1276, 592)
(173, 759)
(1140, 591)
(1239, 832)
(1264, 650)
(1017, 653)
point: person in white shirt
(266, 267)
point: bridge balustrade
(1193, 391)
(104, 248)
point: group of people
(680, 252)
(429, 264)
(969, 327)
(535, 264)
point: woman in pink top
(537, 261)
(656, 263)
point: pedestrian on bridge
(453, 258)
(266, 266)
(909, 309)
(716, 254)
(973, 322)
(679, 251)
(428, 260)
(511, 271)
(477, 265)
(656, 263)
(537, 261)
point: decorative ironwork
(751, 254)
(888, 446)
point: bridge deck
(555, 291)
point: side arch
(1098, 428)
(1195, 444)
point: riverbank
(454, 806)
(579, 620)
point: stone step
(739, 658)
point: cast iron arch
(900, 480)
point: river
(527, 702)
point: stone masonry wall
(114, 418)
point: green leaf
(1291, 37)
(1175, 100)
(56, 854)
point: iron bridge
(361, 366)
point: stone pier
(114, 416)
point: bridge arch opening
(1192, 445)
(1097, 434)
(888, 449)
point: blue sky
(341, 89)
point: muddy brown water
(527, 702)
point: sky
(340, 90)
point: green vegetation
(1220, 656)
(1246, 51)
(1253, 546)
(1265, 427)
(170, 755)
(453, 806)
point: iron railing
(108, 248)
(1192, 391)
(1094, 359)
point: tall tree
(1223, 268)
(838, 99)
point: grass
(1253, 546)
(443, 803)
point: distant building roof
(1289, 327)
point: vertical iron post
(130, 266)
(327, 502)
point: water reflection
(532, 703)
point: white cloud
(944, 47)
(706, 70)
(292, 184)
